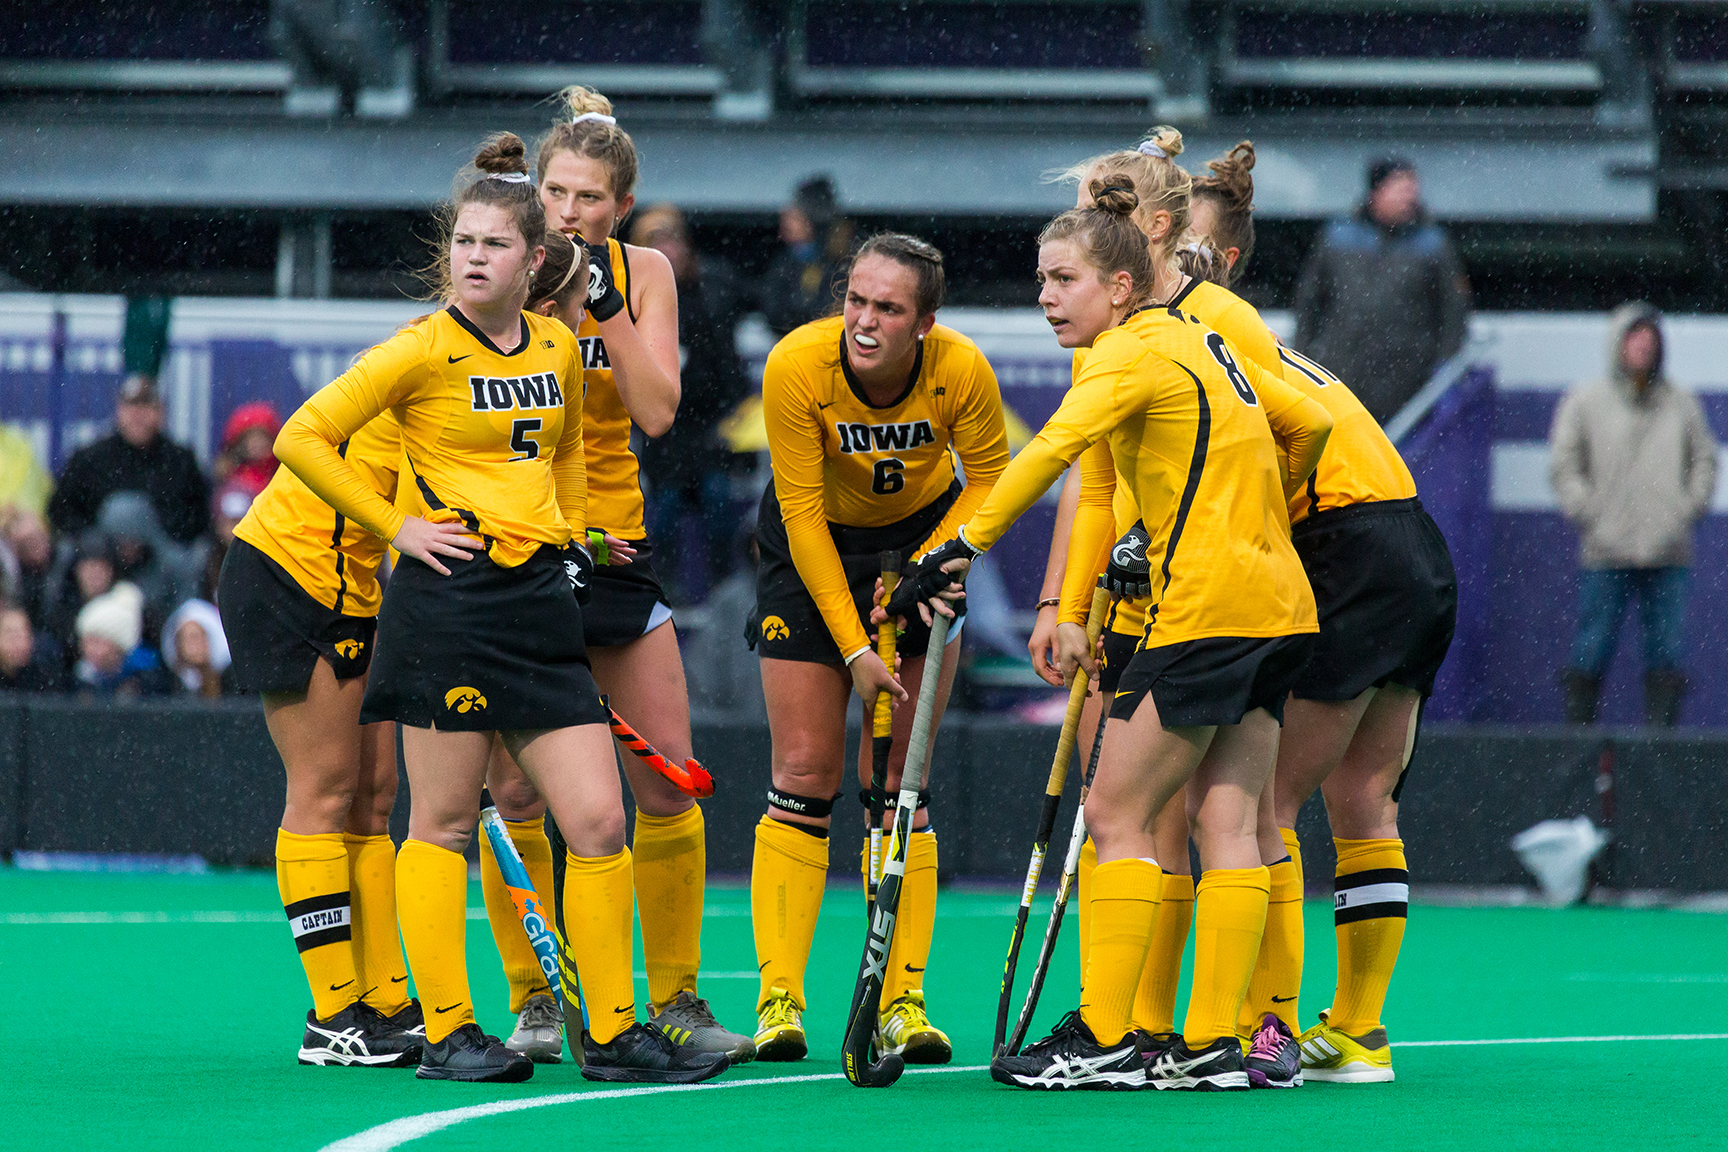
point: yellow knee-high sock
(1079, 902)
(377, 949)
(1372, 900)
(1155, 1000)
(432, 911)
(915, 922)
(1229, 915)
(599, 910)
(521, 966)
(1277, 979)
(671, 859)
(787, 876)
(1124, 910)
(312, 877)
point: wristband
(597, 547)
(856, 654)
(1049, 602)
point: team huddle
(1268, 602)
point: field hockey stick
(882, 738)
(1070, 873)
(540, 927)
(1052, 802)
(872, 970)
(692, 779)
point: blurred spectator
(1383, 300)
(724, 674)
(1634, 466)
(798, 286)
(26, 665)
(83, 572)
(229, 507)
(145, 556)
(136, 456)
(24, 483)
(111, 659)
(27, 541)
(688, 469)
(195, 648)
(248, 453)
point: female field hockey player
(480, 630)
(299, 596)
(587, 169)
(1190, 430)
(862, 410)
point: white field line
(1650, 977)
(395, 1133)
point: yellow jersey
(1360, 464)
(1190, 432)
(334, 560)
(490, 439)
(614, 474)
(839, 459)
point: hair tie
(1147, 148)
(510, 177)
(599, 117)
(577, 254)
(1199, 250)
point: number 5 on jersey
(522, 442)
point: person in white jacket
(1634, 466)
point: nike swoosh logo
(339, 987)
(398, 979)
(441, 1011)
(909, 968)
(459, 359)
(820, 405)
(1282, 999)
(763, 965)
(630, 1008)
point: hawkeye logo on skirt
(774, 628)
(884, 437)
(464, 699)
(349, 649)
(495, 394)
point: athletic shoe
(357, 1035)
(690, 1023)
(1214, 1068)
(906, 1030)
(410, 1020)
(780, 1030)
(642, 1054)
(539, 1031)
(1274, 1060)
(1334, 1057)
(469, 1054)
(1071, 1057)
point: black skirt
(484, 649)
(1214, 681)
(627, 603)
(277, 632)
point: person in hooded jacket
(1634, 466)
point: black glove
(1128, 575)
(925, 578)
(579, 570)
(604, 299)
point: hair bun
(501, 154)
(579, 98)
(1114, 194)
(1166, 138)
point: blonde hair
(587, 129)
(1160, 185)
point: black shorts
(1118, 651)
(627, 603)
(277, 632)
(1217, 680)
(483, 649)
(786, 624)
(1387, 594)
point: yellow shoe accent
(905, 1029)
(780, 1031)
(1333, 1057)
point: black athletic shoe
(642, 1054)
(1071, 1057)
(357, 1035)
(1214, 1068)
(1274, 1058)
(410, 1020)
(470, 1054)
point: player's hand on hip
(870, 676)
(1074, 652)
(426, 540)
(1042, 645)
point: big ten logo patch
(349, 649)
(884, 437)
(496, 394)
(464, 699)
(594, 352)
(774, 628)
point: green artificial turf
(176, 1029)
